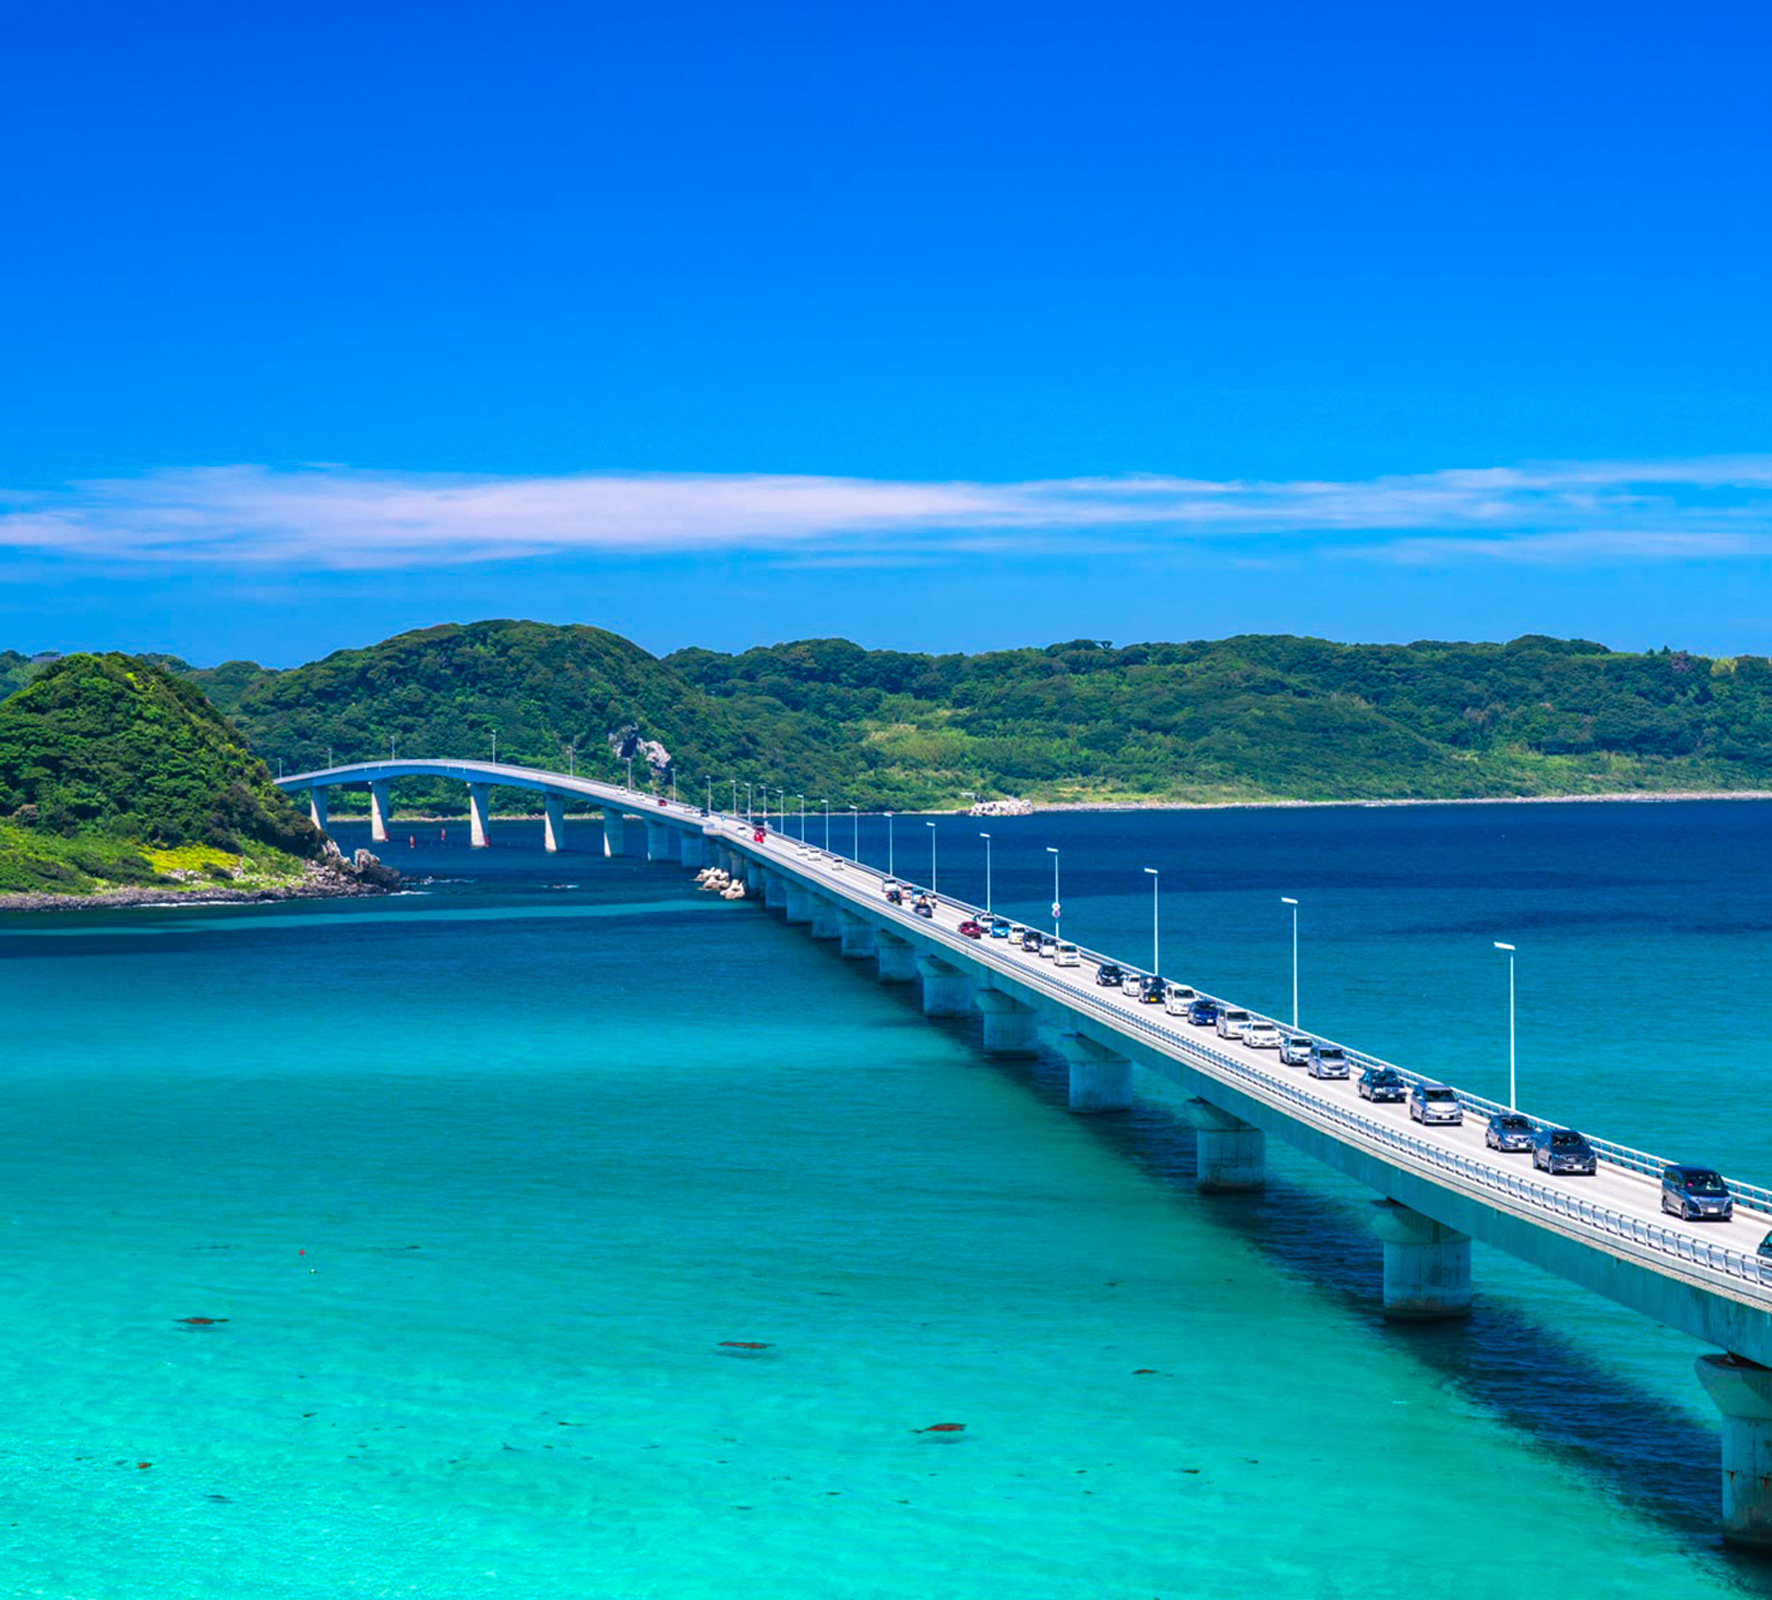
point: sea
(554, 1230)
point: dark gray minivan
(1696, 1194)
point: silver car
(1259, 1035)
(1295, 1050)
(1328, 1061)
(1435, 1102)
(1230, 1023)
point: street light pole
(891, 866)
(1513, 1101)
(1052, 850)
(802, 799)
(931, 827)
(827, 825)
(1287, 900)
(987, 872)
(855, 834)
(734, 783)
(1156, 947)
(747, 804)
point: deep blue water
(482, 1177)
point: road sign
(1055, 908)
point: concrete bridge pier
(613, 840)
(692, 850)
(858, 936)
(660, 846)
(479, 813)
(1427, 1267)
(317, 807)
(381, 809)
(827, 922)
(1101, 1079)
(553, 823)
(895, 957)
(1011, 1026)
(775, 891)
(1230, 1155)
(1742, 1391)
(797, 902)
(947, 991)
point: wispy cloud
(337, 517)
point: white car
(1259, 1035)
(1230, 1022)
(1295, 1050)
(1131, 982)
(1177, 997)
(1065, 955)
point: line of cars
(1692, 1193)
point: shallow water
(481, 1179)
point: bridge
(1436, 1187)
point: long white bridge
(1438, 1187)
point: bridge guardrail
(1749, 1196)
(1607, 1219)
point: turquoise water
(481, 1178)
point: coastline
(331, 880)
(1632, 796)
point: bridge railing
(1747, 1195)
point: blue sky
(940, 326)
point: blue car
(1204, 1013)
(1000, 927)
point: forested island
(119, 778)
(1249, 719)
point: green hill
(114, 772)
(1249, 718)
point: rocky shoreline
(330, 879)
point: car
(1508, 1130)
(1132, 982)
(1177, 997)
(895, 895)
(1261, 1035)
(925, 907)
(1150, 991)
(1696, 1194)
(1435, 1102)
(971, 929)
(1383, 1085)
(1000, 927)
(1557, 1150)
(1295, 1050)
(1065, 955)
(892, 889)
(1230, 1022)
(1328, 1061)
(1048, 946)
(1203, 1013)
(1031, 940)
(1108, 975)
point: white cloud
(341, 518)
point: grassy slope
(115, 773)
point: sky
(936, 326)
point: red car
(757, 836)
(971, 929)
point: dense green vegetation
(1249, 718)
(114, 771)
